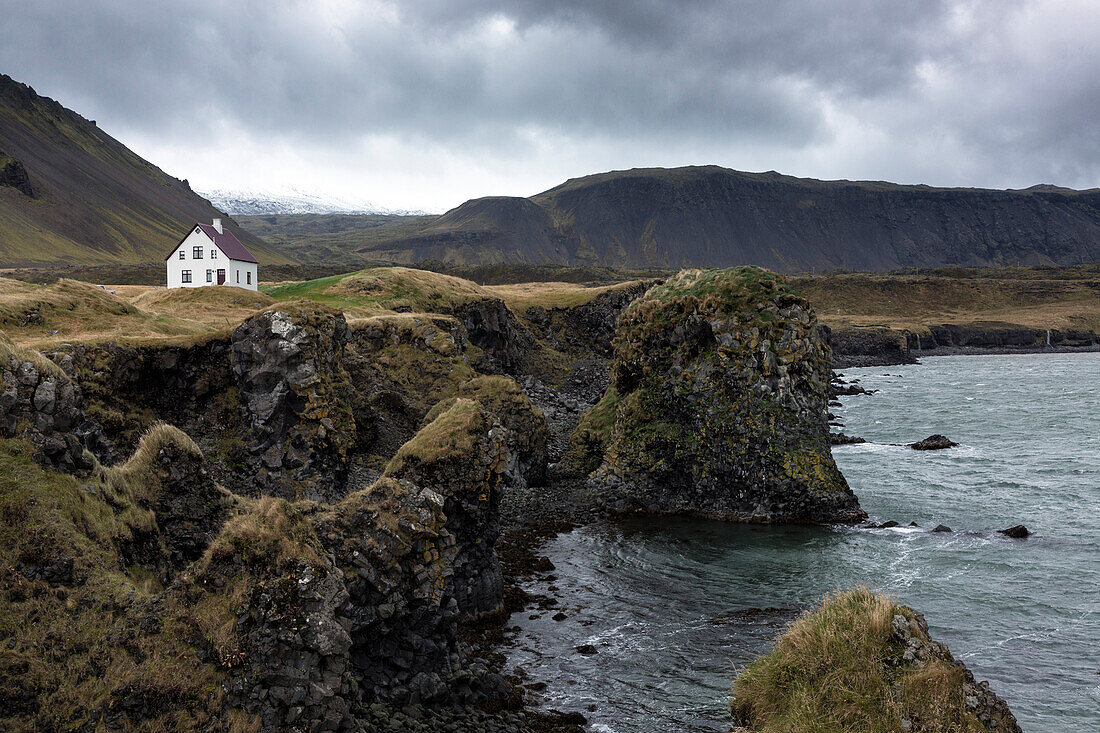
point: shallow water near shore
(668, 604)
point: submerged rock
(718, 405)
(1016, 532)
(933, 442)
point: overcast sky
(422, 104)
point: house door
(221, 277)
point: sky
(422, 104)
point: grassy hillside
(1055, 298)
(90, 200)
(330, 239)
(712, 216)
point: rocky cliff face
(718, 404)
(462, 455)
(296, 400)
(40, 403)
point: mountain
(262, 203)
(656, 217)
(72, 194)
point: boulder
(718, 405)
(942, 528)
(1016, 532)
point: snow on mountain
(259, 203)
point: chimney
(218, 225)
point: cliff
(717, 405)
(712, 216)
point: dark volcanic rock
(462, 456)
(14, 175)
(870, 346)
(933, 442)
(942, 528)
(719, 404)
(491, 327)
(1017, 532)
(39, 402)
(842, 439)
(295, 396)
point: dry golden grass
(44, 316)
(453, 432)
(915, 302)
(522, 296)
(836, 669)
(214, 307)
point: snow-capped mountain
(258, 203)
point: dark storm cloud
(1007, 85)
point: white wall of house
(184, 266)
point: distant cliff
(72, 194)
(712, 216)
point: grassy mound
(381, 289)
(216, 307)
(69, 310)
(71, 603)
(841, 668)
(454, 432)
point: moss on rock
(865, 664)
(719, 397)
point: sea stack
(718, 404)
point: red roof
(230, 246)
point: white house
(211, 255)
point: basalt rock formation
(462, 455)
(40, 403)
(296, 400)
(718, 404)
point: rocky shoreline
(334, 532)
(881, 346)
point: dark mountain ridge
(72, 194)
(656, 217)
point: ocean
(674, 607)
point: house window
(238, 276)
(197, 254)
(209, 276)
(248, 277)
(213, 254)
(183, 255)
(185, 276)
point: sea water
(669, 605)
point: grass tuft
(839, 668)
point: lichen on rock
(720, 383)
